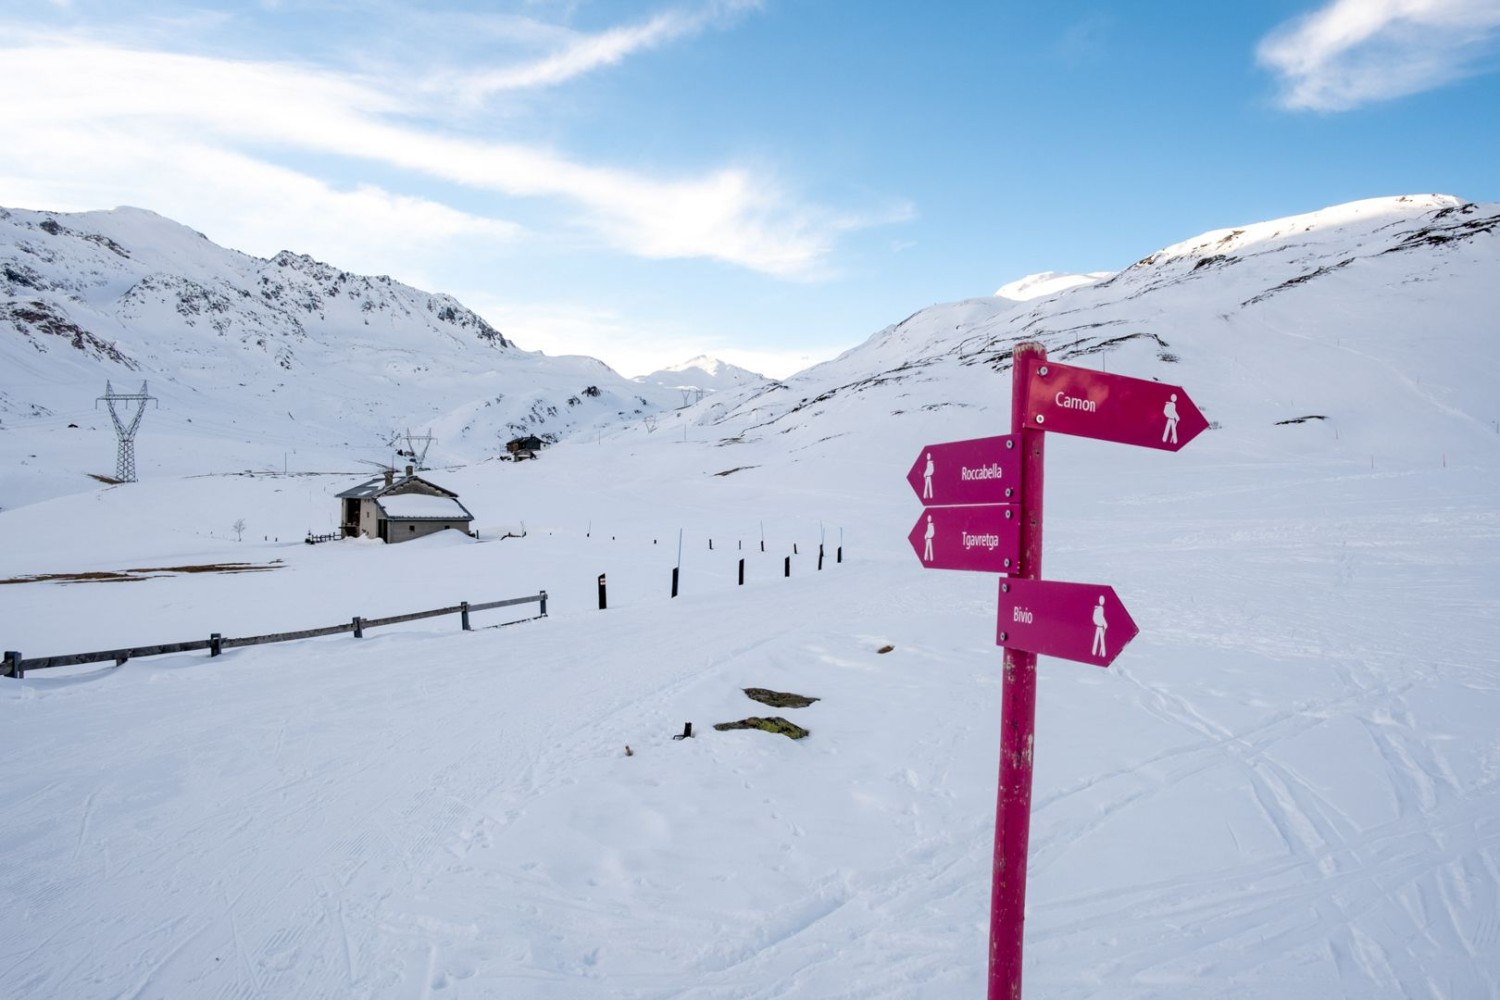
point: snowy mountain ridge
(116, 273)
(301, 351)
(1342, 286)
(292, 354)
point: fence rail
(15, 665)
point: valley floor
(1288, 785)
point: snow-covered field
(1288, 785)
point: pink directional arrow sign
(984, 539)
(1111, 407)
(1084, 622)
(981, 470)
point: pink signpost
(1017, 713)
(984, 539)
(983, 512)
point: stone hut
(398, 509)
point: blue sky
(766, 181)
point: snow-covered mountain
(280, 355)
(1043, 283)
(703, 372)
(1286, 786)
(1387, 300)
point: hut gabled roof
(373, 488)
(423, 507)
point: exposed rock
(779, 699)
(775, 724)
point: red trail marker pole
(1017, 712)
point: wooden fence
(15, 665)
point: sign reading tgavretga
(1109, 407)
(1083, 622)
(985, 539)
(980, 470)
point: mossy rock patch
(779, 699)
(775, 724)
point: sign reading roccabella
(981, 470)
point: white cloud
(1354, 52)
(581, 53)
(176, 106)
(244, 203)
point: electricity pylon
(125, 457)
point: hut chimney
(390, 476)
(410, 471)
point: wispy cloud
(95, 100)
(1354, 52)
(583, 53)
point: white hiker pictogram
(931, 531)
(1099, 626)
(927, 478)
(1170, 412)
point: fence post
(544, 604)
(463, 613)
(742, 572)
(820, 556)
(11, 665)
(603, 602)
(215, 644)
(788, 570)
(674, 581)
(840, 554)
(359, 631)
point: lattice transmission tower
(125, 457)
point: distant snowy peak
(1044, 283)
(702, 372)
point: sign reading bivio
(1083, 622)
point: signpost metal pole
(1018, 713)
(982, 512)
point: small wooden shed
(398, 509)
